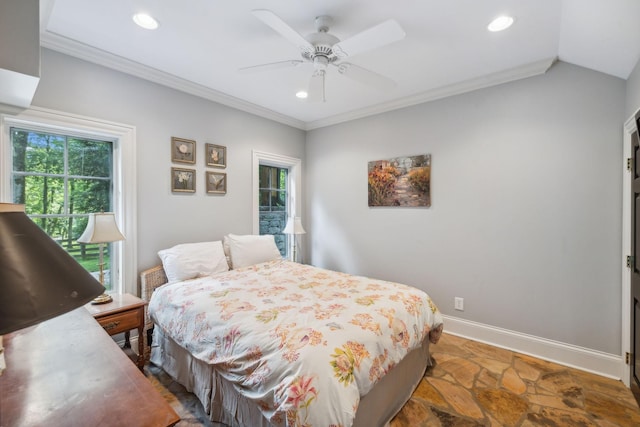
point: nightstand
(124, 313)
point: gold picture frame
(216, 182)
(183, 150)
(183, 180)
(216, 155)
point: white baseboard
(597, 362)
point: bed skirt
(225, 405)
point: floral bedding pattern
(302, 342)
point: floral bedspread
(302, 342)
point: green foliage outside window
(60, 180)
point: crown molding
(494, 79)
(82, 51)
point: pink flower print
(229, 340)
(300, 388)
(343, 364)
(301, 394)
(347, 359)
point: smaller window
(273, 203)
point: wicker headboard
(150, 280)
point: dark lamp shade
(38, 279)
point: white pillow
(227, 250)
(191, 260)
(250, 249)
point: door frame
(629, 128)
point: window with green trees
(61, 179)
(273, 203)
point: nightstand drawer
(120, 322)
(124, 313)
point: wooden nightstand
(124, 313)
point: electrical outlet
(458, 303)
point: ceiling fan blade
(365, 76)
(316, 87)
(377, 36)
(271, 66)
(281, 27)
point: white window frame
(124, 176)
(294, 197)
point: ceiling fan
(323, 49)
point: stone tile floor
(474, 384)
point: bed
(271, 342)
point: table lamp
(39, 280)
(294, 226)
(101, 229)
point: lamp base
(102, 299)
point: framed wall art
(183, 150)
(216, 155)
(183, 180)
(216, 182)
(401, 181)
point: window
(61, 179)
(277, 196)
(62, 167)
(274, 203)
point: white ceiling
(201, 44)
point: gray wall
(526, 191)
(164, 218)
(525, 221)
(633, 92)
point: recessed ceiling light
(145, 21)
(302, 94)
(500, 23)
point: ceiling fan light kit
(323, 49)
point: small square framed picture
(183, 180)
(216, 182)
(216, 155)
(183, 150)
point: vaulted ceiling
(200, 45)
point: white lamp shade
(294, 226)
(101, 228)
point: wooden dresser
(68, 371)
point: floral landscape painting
(401, 181)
